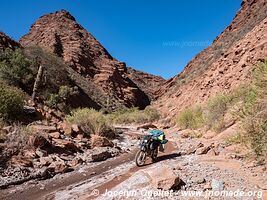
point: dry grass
(90, 121)
(191, 118)
(133, 115)
(15, 142)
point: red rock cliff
(223, 65)
(93, 69)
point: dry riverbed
(200, 166)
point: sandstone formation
(7, 42)
(150, 84)
(222, 66)
(101, 77)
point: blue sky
(155, 36)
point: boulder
(45, 161)
(98, 141)
(192, 149)
(66, 128)
(147, 126)
(66, 144)
(76, 130)
(37, 141)
(217, 185)
(76, 161)
(55, 135)
(65, 157)
(197, 180)
(164, 178)
(101, 156)
(211, 152)
(41, 153)
(58, 166)
(202, 150)
(109, 133)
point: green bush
(11, 101)
(234, 139)
(151, 113)
(191, 118)
(53, 101)
(215, 110)
(90, 121)
(133, 115)
(15, 68)
(254, 113)
(55, 71)
(60, 99)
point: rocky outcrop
(7, 42)
(91, 67)
(222, 66)
(150, 84)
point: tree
(15, 68)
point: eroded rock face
(7, 42)
(222, 66)
(93, 69)
(150, 84)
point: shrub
(60, 100)
(152, 114)
(15, 68)
(11, 101)
(90, 121)
(215, 110)
(53, 101)
(191, 118)
(234, 139)
(16, 141)
(133, 115)
(55, 71)
(254, 113)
